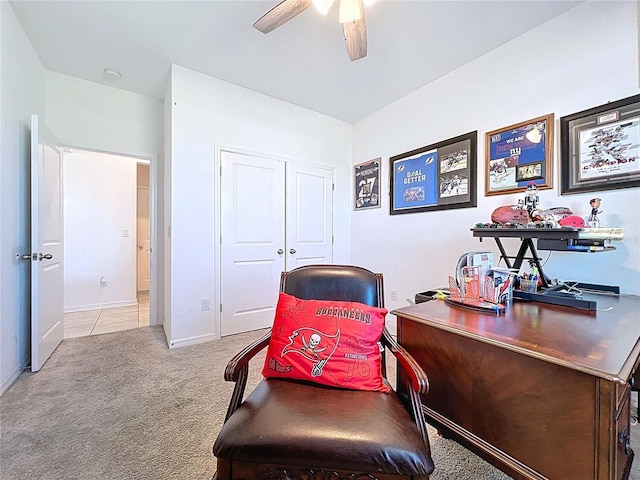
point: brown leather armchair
(286, 429)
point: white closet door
(309, 215)
(253, 240)
(257, 243)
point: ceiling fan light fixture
(323, 6)
(350, 11)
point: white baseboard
(99, 306)
(192, 340)
(12, 378)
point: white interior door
(47, 287)
(309, 215)
(143, 238)
(253, 240)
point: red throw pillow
(328, 342)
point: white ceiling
(304, 62)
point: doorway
(107, 275)
(275, 215)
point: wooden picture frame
(439, 176)
(518, 155)
(599, 147)
(367, 185)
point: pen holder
(529, 286)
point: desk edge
(621, 377)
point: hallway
(107, 320)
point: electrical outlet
(394, 294)
(205, 304)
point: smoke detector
(110, 74)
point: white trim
(192, 340)
(99, 306)
(12, 378)
(217, 229)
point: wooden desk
(541, 392)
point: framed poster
(518, 155)
(436, 177)
(600, 147)
(367, 191)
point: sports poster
(522, 146)
(416, 181)
(436, 177)
(610, 150)
(367, 187)
(519, 155)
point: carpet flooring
(123, 406)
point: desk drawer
(623, 451)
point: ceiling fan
(351, 17)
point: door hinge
(220, 308)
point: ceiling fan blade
(281, 14)
(355, 37)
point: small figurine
(593, 221)
(531, 199)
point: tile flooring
(107, 320)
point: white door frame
(152, 158)
(217, 212)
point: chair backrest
(334, 282)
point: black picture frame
(600, 147)
(439, 176)
(367, 185)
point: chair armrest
(234, 367)
(419, 380)
(237, 371)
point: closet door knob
(280, 251)
(292, 251)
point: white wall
(97, 117)
(569, 64)
(99, 209)
(22, 93)
(206, 113)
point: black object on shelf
(429, 294)
(570, 245)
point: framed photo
(518, 155)
(600, 147)
(367, 191)
(436, 177)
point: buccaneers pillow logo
(318, 348)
